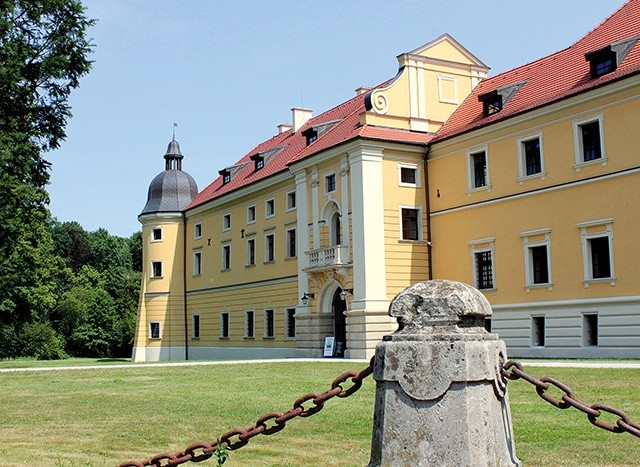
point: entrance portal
(338, 307)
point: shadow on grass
(113, 360)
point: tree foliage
(62, 289)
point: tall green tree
(43, 54)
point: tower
(160, 329)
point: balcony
(328, 258)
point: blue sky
(229, 72)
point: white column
(367, 210)
(302, 230)
(315, 207)
(344, 183)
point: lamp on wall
(306, 296)
(343, 294)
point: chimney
(362, 90)
(283, 128)
(300, 117)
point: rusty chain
(267, 424)
(513, 370)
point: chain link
(513, 370)
(239, 437)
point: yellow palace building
(524, 184)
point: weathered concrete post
(440, 400)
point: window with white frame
(224, 325)
(251, 251)
(291, 200)
(197, 263)
(195, 326)
(537, 258)
(156, 269)
(530, 157)
(197, 230)
(597, 251)
(251, 214)
(270, 208)
(330, 183)
(226, 257)
(478, 169)
(226, 221)
(589, 141)
(482, 263)
(269, 248)
(249, 324)
(269, 324)
(154, 330)
(290, 323)
(156, 234)
(410, 222)
(409, 175)
(448, 89)
(291, 243)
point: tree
(43, 54)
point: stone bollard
(440, 399)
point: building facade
(521, 184)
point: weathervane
(175, 125)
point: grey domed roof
(171, 190)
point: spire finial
(175, 125)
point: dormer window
(602, 61)
(226, 176)
(491, 103)
(494, 101)
(608, 59)
(258, 161)
(311, 135)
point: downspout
(184, 285)
(428, 209)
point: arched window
(336, 234)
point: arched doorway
(338, 307)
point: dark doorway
(339, 306)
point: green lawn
(103, 417)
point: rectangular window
(197, 230)
(484, 270)
(197, 263)
(226, 257)
(251, 214)
(530, 158)
(330, 183)
(154, 330)
(156, 235)
(479, 161)
(224, 325)
(590, 330)
(410, 219)
(226, 221)
(156, 269)
(291, 243)
(269, 329)
(539, 264)
(270, 208)
(291, 200)
(537, 331)
(251, 251)
(269, 246)
(290, 323)
(249, 322)
(600, 257)
(588, 141)
(408, 175)
(195, 326)
(597, 251)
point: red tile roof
(295, 146)
(552, 78)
